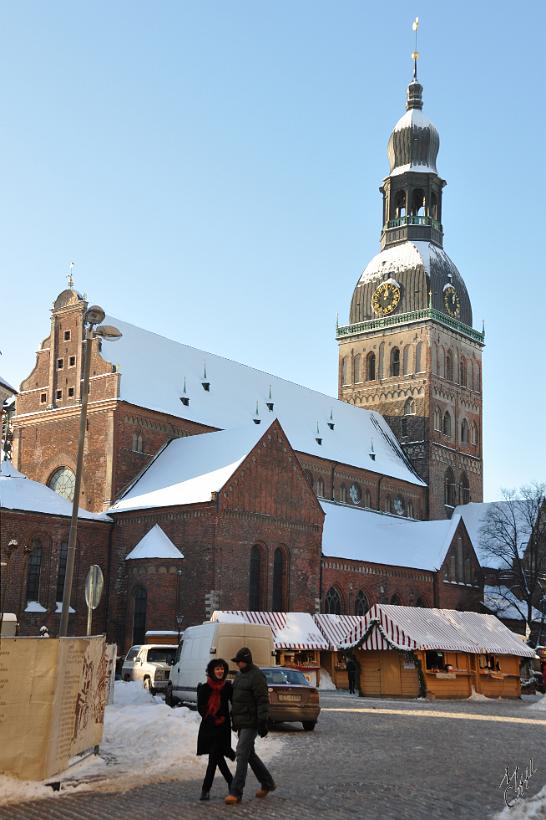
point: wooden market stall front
(298, 641)
(407, 651)
(335, 629)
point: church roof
(189, 469)
(17, 492)
(7, 385)
(154, 370)
(155, 544)
(380, 538)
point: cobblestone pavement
(398, 760)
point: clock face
(385, 298)
(452, 302)
(354, 493)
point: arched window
(370, 367)
(361, 603)
(460, 559)
(137, 443)
(400, 205)
(332, 604)
(62, 481)
(478, 380)
(367, 498)
(33, 570)
(381, 368)
(255, 579)
(434, 206)
(140, 599)
(449, 365)
(418, 357)
(463, 378)
(446, 426)
(308, 477)
(449, 488)
(437, 419)
(319, 488)
(406, 360)
(395, 600)
(418, 202)
(356, 368)
(344, 370)
(398, 505)
(63, 555)
(343, 494)
(410, 509)
(395, 362)
(409, 407)
(464, 432)
(467, 571)
(387, 504)
(436, 360)
(280, 576)
(473, 433)
(464, 489)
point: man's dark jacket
(250, 703)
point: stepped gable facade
(410, 351)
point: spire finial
(415, 53)
(69, 277)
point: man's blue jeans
(246, 756)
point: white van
(214, 640)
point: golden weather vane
(415, 53)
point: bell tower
(410, 351)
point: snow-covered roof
(291, 630)
(407, 255)
(7, 385)
(505, 604)
(153, 370)
(413, 117)
(189, 469)
(335, 628)
(404, 627)
(474, 516)
(365, 535)
(17, 492)
(155, 544)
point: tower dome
(414, 142)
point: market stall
(410, 651)
(335, 629)
(298, 642)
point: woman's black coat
(211, 737)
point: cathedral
(209, 485)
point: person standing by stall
(214, 736)
(351, 667)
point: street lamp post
(93, 328)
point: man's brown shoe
(231, 799)
(264, 792)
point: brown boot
(231, 799)
(263, 792)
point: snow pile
(144, 740)
(326, 682)
(540, 705)
(527, 808)
(477, 696)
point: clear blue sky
(213, 170)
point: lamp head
(108, 332)
(94, 315)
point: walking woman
(214, 736)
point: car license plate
(289, 698)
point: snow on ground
(525, 808)
(326, 683)
(144, 740)
(539, 704)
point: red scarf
(214, 698)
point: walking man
(351, 673)
(249, 715)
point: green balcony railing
(408, 318)
(414, 220)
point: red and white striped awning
(335, 628)
(386, 626)
(291, 630)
